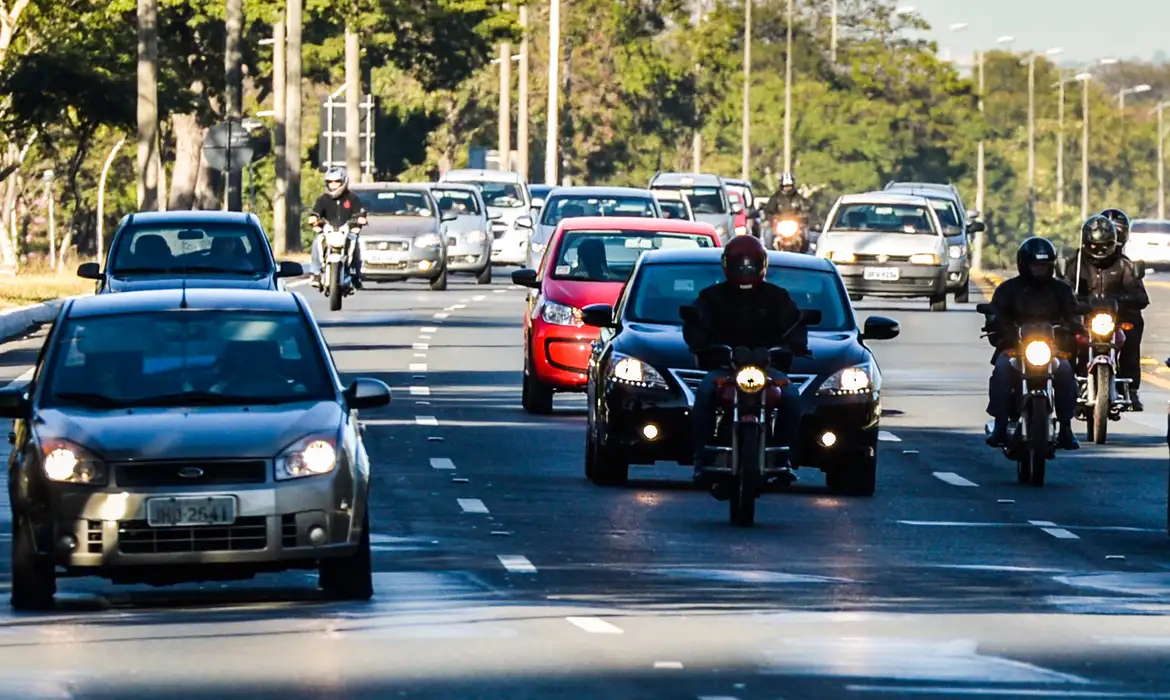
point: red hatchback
(588, 260)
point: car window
(576, 206)
(673, 209)
(457, 202)
(396, 203)
(948, 213)
(1150, 226)
(505, 195)
(173, 246)
(661, 289)
(231, 357)
(609, 256)
(703, 200)
(883, 218)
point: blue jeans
(1002, 388)
(355, 264)
(703, 412)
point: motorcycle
(1032, 428)
(1103, 396)
(790, 235)
(336, 258)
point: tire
(963, 295)
(611, 467)
(938, 302)
(485, 275)
(1038, 443)
(535, 396)
(745, 486)
(335, 292)
(590, 455)
(858, 479)
(1099, 425)
(34, 578)
(439, 284)
(351, 578)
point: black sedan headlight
(633, 372)
(850, 381)
(69, 463)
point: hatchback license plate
(383, 257)
(187, 512)
(881, 274)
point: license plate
(333, 257)
(881, 274)
(187, 512)
(382, 257)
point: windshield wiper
(141, 270)
(90, 399)
(220, 270)
(208, 398)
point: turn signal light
(1127, 326)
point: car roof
(589, 191)
(459, 186)
(714, 256)
(473, 174)
(193, 216)
(672, 195)
(929, 192)
(884, 197)
(739, 183)
(635, 223)
(939, 186)
(374, 186)
(686, 179)
(172, 300)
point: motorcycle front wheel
(1038, 439)
(1099, 423)
(747, 474)
(335, 292)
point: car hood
(202, 281)
(663, 347)
(252, 432)
(509, 214)
(581, 294)
(875, 243)
(380, 227)
(467, 224)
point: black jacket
(1018, 302)
(760, 318)
(1117, 279)
(340, 211)
(782, 203)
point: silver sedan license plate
(190, 511)
(881, 274)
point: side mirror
(1140, 268)
(448, 216)
(810, 317)
(688, 313)
(13, 403)
(880, 328)
(524, 222)
(367, 393)
(972, 214)
(976, 227)
(89, 271)
(526, 278)
(985, 309)
(361, 220)
(598, 315)
(495, 217)
(288, 268)
(736, 208)
(537, 203)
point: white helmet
(787, 180)
(336, 180)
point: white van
(1149, 242)
(509, 208)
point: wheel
(439, 284)
(855, 297)
(1099, 425)
(856, 479)
(1038, 442)
(611, 467)
(745, 487)
(335, 292)
(34, 578)
(351, 578)
(1023, 471)
(535, 395)
(963, 295)
(485, 275)
(938, 302)
(590, 455)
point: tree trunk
(147, 105)
(188, 156)
(208, 186)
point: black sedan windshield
(184, 358)
(660, 290)
(176, 247)
(609, 256)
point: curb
(18, 322)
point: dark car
(170, 249)
(188, 435)
(642, 376)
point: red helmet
(745, 261)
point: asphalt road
(503, 573)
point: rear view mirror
(191, 234)
(89, 271)
(524, 222)
(810, 317)
(880, 328)
(976, 227)
(289, 269)
(525, 278)
(736, 208)
(985, 309)
(598, 315)
(367, 393)
(13, 403)
(688, 313)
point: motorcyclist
(743, 311)
(787, 200)
(337, 207)
(1035, 296)
(1129, 361)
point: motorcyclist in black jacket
(787, 200)
(743, 311)
(337, 207)
(1129, 361)
(1035, 296)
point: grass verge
(36, 287)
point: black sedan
(642, 376)
(188, 435)
(170, 249)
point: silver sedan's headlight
(858, 379)
(476, 237)
(429, 240)
(310, 456)
(955, 252)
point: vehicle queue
(613, 275)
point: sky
(1085, 29)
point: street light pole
(788, 96)
(1060, 152)
(1161, 161)
(977, 262)
(1084, 78)
(1032, 145)
(745, 166)
(522, 117)
(505, 113)
(554, 83)
(833, 34)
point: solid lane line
(426, 420)
(595, 625)
(668, 664)
(23, 379)
(472, 505)
(418, 367)
(516, 563)
(441, 463)
(953, 479)
(998, 692)
(887, 436)
(420, 391)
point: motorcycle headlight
(741, 230)
(476, 237)
(1102, 324)
(68, 462)
(924, 259)
(310, 456)
(858, 379)
(430, 240)
(751, 379)
(786, 228)
(1038, 353)
(335, 239)
(955, 252)
(632, 371)
(838, 256)
(560, 314)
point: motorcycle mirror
(985, 309)
(810, 317)
(1141, 268)
(688, 313)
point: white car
(506, 195)
(1149, 242)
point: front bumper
(270, 532)
(510, 247)
(913, 280)
(561, 355)
(414, 263)
(463, 256)
(958, 274)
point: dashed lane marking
(421, 346)
(420, 391)
(717, 697)
(472, 505)
(887, 436)
(442, 315)
(424, 337)
(459, 306)
(500, 291)
(441, 463)
(673, 665)
(426, 420)
(420, 354)
(478, 297)
(428, 329)
(1050, 527)
(953, 479)
(595, 625)
(516, 564)
(418, 367)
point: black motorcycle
(789, 234)
(1103, 395)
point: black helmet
(1035, 250)
(1099, 238)
(1121, 222)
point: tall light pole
(1032, 137)
(1160, 133)
(280, 189)
(1137, 89)
(980, 174)
(697, 138)
(833, 33)
(747, 87)
(522, 117)
(1059, 140)
(788, 95)
(505, 110)
(554, 83)
(1084, 78)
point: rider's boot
(1067, 438)
(999, 436)
(1135, 403)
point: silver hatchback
(469, 234)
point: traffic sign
(235, 144)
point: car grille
(691, 378)
(452, 241)
(499, 229)
(213, 473)
(400, 246)
(246, 534)
(881, 259)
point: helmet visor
(745, 270)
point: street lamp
(957, 27)
(1160, 109)
(1084, 77)
(1031, 60)
(980, 169)
(1136, 90)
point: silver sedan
(469, 239)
